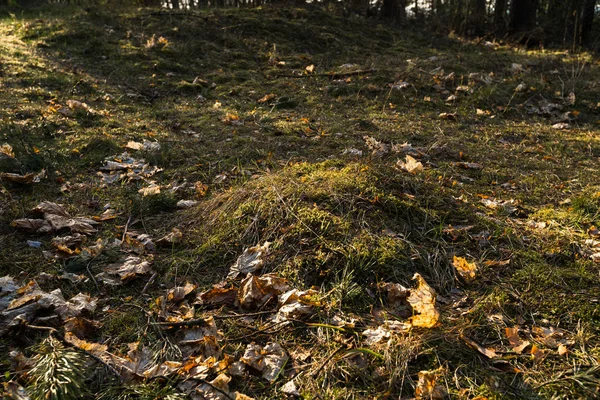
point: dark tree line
(559, 21)
(564, 22)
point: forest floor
(278, 203)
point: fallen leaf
(7, 150)
(171, 238)
(180, 292)
(422, 300)
(186, 203)
(467, 165)
(255, 291)
(515, 341)
(376, 336)
(151, 190)
(290, 389)
(269, 359)
(410, 165)
(17, 178)
(218, 296)
(129, 269)
(310, 69)
(296, 304)
(251, 260)
(449, 116)
(378, 148)
(562, 350)
(488, 352)
(32, 225)
(266, 98)
(427, 386)
(467, 270)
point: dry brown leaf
(151, 190)
(422, 300)
(467, 270)
(266, 98)
(427, 386)
(17, 178)
(515, 341)
(219, 295)
(96, 349)
(255, 291)
(269, 360)
(7, 150)
(488, 352)
(48, 207)
(170, 238)
(562, 350)
(81, 327)
(251, 260)
(180, 292)
(449, 116)
(129, 269)
(32, 225)
(310, 68)
(467, 165)
(537, 354)
(410, 165)
(376, 336)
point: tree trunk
(523, 15)
(500, 16)
(394, 10)
(477, 17)
(587, 20)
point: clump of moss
(321, 217)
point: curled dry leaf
(449, 116)
(467, 270)
(266, 98)
(255, 291)
(422, 300)
(180, 292)
(427, 386)
(515, 341)
(171, 238)
(410, 165)
(376, 336)
(7, 150)
(18, 178)
(129, 269)
(8, 288)
(251, 260)
(32, 225)
(488, 352)
(378, 148)
(269, 360)
(296, 304)
(218, 295)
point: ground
(367, 155)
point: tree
(499, 16)
(587, 20)
(394, 10)
(478, 16)
(523, 15)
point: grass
(276, 170)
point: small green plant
(58, 373)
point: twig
(332, 75)
(41, 328)
(202, 321)
(215, 388)
(329, 358)
(125, 230)
(152, 278)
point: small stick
(314, 374)
(152, 278)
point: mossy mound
(323, 219)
